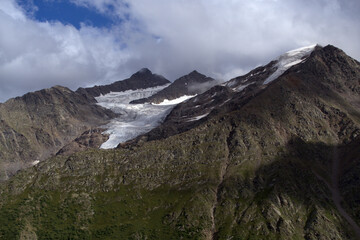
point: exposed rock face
(264, 163)
(139, 80)
(92, 138)
(327, 78)
(191, 84)
(36, 125)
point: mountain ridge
(144, 78)
(190, 84)
(37, 124)
(259, 165)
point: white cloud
(36, 55)
(11, 9)
(172, 38)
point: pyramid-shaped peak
(332, 50)
(142, 72)
(195, 73)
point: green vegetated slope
(264, 171)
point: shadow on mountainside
(268, 195)
(290, 196)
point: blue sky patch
(67, 13)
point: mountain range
(273, 154)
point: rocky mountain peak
(195, 73)
(142, 79)
(61, 88)
(196, 77)
(48, 95)
(144, 72)
(321, 70)
(331, 53)
(38, 124)
(190, 84)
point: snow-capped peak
(289, 59)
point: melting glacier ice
(134, 119)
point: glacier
(134, 119)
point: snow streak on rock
(289, 59)
(175, 101)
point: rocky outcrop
(35, 126)
(92, 138)
(191, 84)
(139, 80)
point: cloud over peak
(172, 38)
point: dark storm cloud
(219, 38)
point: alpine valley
(273, 154)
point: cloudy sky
(85, 42)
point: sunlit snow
(198, 117)
(241, 87)
(288, 60)
(135, 119)
(35, 162)
(175, 101)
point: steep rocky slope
(92, 138)
(190, 84)
(139, 80)
(264, 163)
(36, 125)
(327, 71)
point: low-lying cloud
(172, 38)
(202, 87)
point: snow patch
(175, 101)
(113, 98)
(241, 87)
(231, 83)
(197, 117)
(35, 162)
(134, 119)
(288, 60)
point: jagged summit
(62, 88)
(190, 84)
(142, 79)
(144, 70)
(270, 72)
(314, 65)
(194, 73)
(141, 73)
